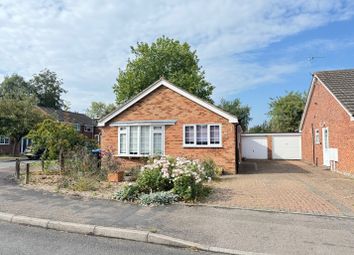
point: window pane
(157, 144)
(202, 134)
(145, 140)
(189, 135)
(133, 143)
(214, 134)
(123, 143)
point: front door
(325, 145)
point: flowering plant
(174, 168)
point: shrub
(211, 170)
(161, 198)
(187, 188)
(152, 180)
(127, 193)
(80, 162)
(85, 184)
(133, 173)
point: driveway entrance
(291, 186)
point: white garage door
(254, 147)
(286, 147)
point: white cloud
(87, 41)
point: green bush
(151, 180)
(133, 173)
(85, 184)
(161, 198)
(127, 193)
(211, 169)
(186, 187)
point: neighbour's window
(317, 136)
(202, 135)
(98, 138)
(77, 127)
(4, 140)
(88, 128)
(141, 140)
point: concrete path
(273, 233)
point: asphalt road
(17, 239)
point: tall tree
(261, 128)
(242, 112)
(164, 57)
(99, 109)
(48, 89)
(15, 87)
(286, 111)
(17, 118)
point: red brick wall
(270, 146)
(7, 149)
(325, 111)
(165, 104)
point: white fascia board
(143, 123)
(307, 103)
(174, 88)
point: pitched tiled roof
(66, 116)
(341, 84)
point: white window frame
(317, 136)
(195, 145)
(77, 127)
(4, 140)
(152, 131)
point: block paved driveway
(290, 186)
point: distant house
(166, 120)
(327, 125)
(81, 122)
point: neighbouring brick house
(166, 120)
(81, 122)
(327, 124)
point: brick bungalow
(327, 124)
(166, 120)
(81, 122)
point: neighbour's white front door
(325, 145)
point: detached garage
(271, 146)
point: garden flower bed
(162, 180)
(166, 179)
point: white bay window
(144, 140)
(202, 135)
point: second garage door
(286, 147)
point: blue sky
(253, 50)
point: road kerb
(171, 241)
(119, 233)
(128, 234)
(6, 216)
(232, 251)
(71, 227)
(24, 220)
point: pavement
(290, 186)
(18, 239)
(246, 230)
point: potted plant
(115, 176)
(115, 172)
